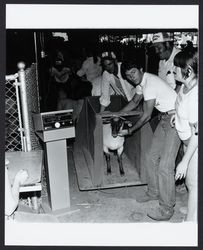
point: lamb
(112, 141)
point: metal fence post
(24, 105)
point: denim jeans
(160, 163)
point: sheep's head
(116, 125)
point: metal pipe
(24, 104)
(36, 50)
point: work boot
(161, 214)
(181, 188)
(146, 197)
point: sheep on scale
(94, 134)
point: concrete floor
(110, 205)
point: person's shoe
(161, 214)
(146, 197)
(181, 188)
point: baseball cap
(161, 37)
(108, 54)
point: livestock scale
(53, 128)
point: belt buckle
(159, 116)
(163, 114)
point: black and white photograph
(101, 125)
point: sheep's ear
(106, 120)
(122, 118)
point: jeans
(160, 163)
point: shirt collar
(174, 52)
(143, 80)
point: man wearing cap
(164, 48)
(112, 82)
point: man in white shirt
(164, 48)
(91, 67)
(96, 86)
(112, 81)
(160, 160)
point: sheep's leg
(120, 162)
(107, 156)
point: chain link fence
(13, 109)
(13, 138)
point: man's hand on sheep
(125, 132)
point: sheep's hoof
(122, 173)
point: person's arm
(102, 108)
(192, 146)
(10, 202)
(105, 91)
(82, 71)
(148, 107)
(133, 103)
(192, 110)
(12, 193)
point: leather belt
(170, 112)
(162, 114)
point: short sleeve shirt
(153, 87)
(96, 86)
(166, 69)
(186, 112)
(90, 69)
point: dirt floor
(106, 206)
